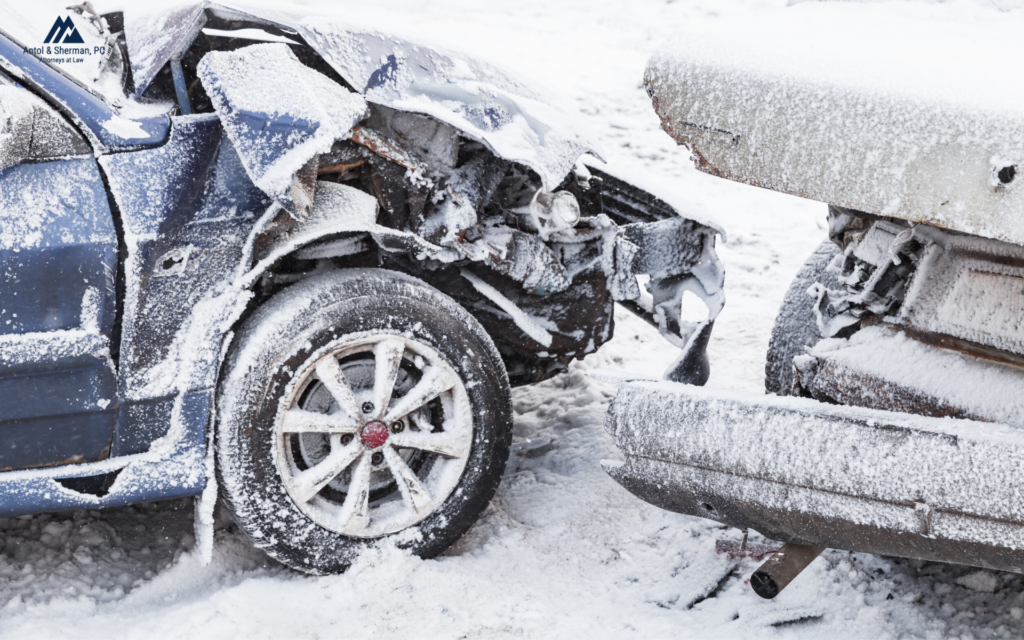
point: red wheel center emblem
(374, 434)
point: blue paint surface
(88, 107)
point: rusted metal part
(339, 168)
(965, 347)
(58, 463)
(782, 568)
(383, 146)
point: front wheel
(796, 325)
(358, 406)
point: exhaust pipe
(782, 568)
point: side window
(31, 130)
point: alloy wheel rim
(373, 434)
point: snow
(125, 128)
(909, 126)
(249, 34)
(984, 581)
(562, 551)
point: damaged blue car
(299, 266)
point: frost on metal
(278, 114)
(29, 130)
(859, 479)
(467, 94)
(796, 103)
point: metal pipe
(780, 569)
(179, 87)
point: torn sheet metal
(475, 98)
(800, 471)
(278, 114)
(152, 39)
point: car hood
(476, 98)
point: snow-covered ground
(563, 551)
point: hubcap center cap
(374, 434)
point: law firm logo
(64, 44)
(63, 27)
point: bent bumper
(797, 470)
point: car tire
(415, 448)
(796, 326)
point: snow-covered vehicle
(306, 259)
(894, 419)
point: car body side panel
(57, 243)
(58, 260)
(68, 438)
(925, 148)
(174, 468)
(188, 208)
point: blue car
(299, 266)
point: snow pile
(984, 581)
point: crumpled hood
(479, 100)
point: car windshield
(77, 42)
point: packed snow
(562, 551)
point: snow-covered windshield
(77, 42)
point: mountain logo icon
(66, 28)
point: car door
(58, 265)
